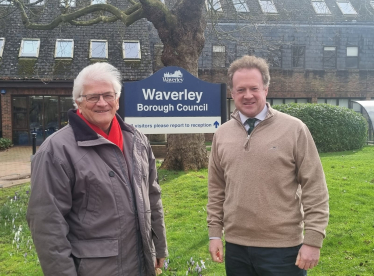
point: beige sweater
(253, 184)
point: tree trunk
(183, 44)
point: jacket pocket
(96, 257)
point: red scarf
(115, 133)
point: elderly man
(95, 206)
(259, 159)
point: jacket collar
(83, 132)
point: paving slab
(15, 166)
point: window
(346, 7)
(298, 56)
(240, 6)
(93, 2)
(2, 43)
(64, 48)
(213, 5)
(131, 49)
(286, 101)
(352, 57)
(329, 57)
(268, 6)
(99, 49)
(5, 2)
(29, 47)
(320, 7)
(372, 4)
(219, 56)
(274, 57)
(36, 2)
(67, 3)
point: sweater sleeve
(216, 192)
(314, 196)
(50, 202)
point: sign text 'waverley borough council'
(174, 101)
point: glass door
(42, 115)
(36, 118)
(51, 123)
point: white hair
(100, 71)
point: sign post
(173, 101)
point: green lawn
(348, 248)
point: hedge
(5, 143)
(333, 128)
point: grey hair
(249, 62)
(100, 71)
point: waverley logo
(176, 77)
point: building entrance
(42, 115)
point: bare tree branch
(130, 14)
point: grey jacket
(94, 210)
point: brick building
(319, 51)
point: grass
(348, 248)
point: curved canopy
(369, 107)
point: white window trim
(238, 3)
(31, 2)
(105, 2)
(210, 7)
(352, 47)
(5, 3)
(123, 49)
(2, 46)
(72, 48)
(328, 12)
(266, 12)
(348, 2)
(72, 3)
(37, 50)
(106, 49)
(219, 49)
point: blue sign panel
(172, 92)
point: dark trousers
(261, 261)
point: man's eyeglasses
(94, 98)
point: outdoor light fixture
(3, 91)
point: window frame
(325, 58)
(62, 3)
(351, 57)
(240, 3)
(2, 46)
(338, 2)
(211, 8)
(293, 55)
(272, 4)
(218, 50)
(326, 8)
(5, 3)
(31, 2)
(139, 50)
(72, 48)
(106, 48)
(100, 2)
(22, 47)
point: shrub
(333, 128)
(5, 143)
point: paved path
(15, 166)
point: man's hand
(308, 257)
(159, 262)
(216, 250)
